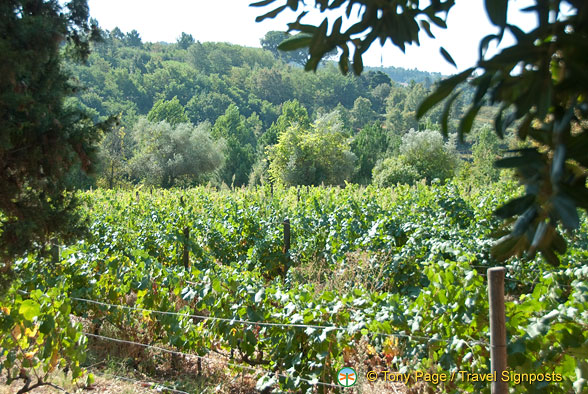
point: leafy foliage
(42, 139)
(485, 152)
(240, 141)
(428, 154)
(429, 244)
(175, 155)
(540, 81)
(37, 337)
(394, 170)
(369, 145)
(273, 39)
(170, 111)
(319, 154)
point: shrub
(394, 170)
(429, 155)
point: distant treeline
(239, 115)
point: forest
(192, 113)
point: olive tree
(175, 155)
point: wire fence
(233, 320)
(526, 283)
(178, 353)
(272, 324)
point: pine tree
(41, 139)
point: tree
(117, 34)
(185, 40)
(171, 155)
(362, 113)
(114, 154)
(170, 111)
(240, 146)
(429, 155)
(42, 140)
(270, 85)
(422, 155)
(485, 152)
(293, 113)
(319, 154)
(207, 106)
(133, 39)
(273, 39)
(539, 82)
(392, 171)
(368, 145)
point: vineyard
(375, 279)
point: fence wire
(271, 324)
(177, 353)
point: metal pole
(497, 329)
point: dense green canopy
(540, 84)
(41, 139)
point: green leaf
(483, 83)
(465, 125)
(443, 90)
(504, 247)
(566, 209)
(447, 57)
(48, 325)
(261, 3)
(29, 309)
(427, 27)
(515, 207)
(445, 115)
(496, 10)
(550, 257)
(484, 45)
(518, 33)
(357, 62)
(526, 159)
(558, 243)
(524, 221)
(271, 14)
(295, 42)
(524, 128)
(438, 21)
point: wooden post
(497, 329)
(54, 252)
(137, 196)
(287, 239)
(186, 256)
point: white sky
(234, 21)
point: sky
(234, 21)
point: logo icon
(346, 377)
